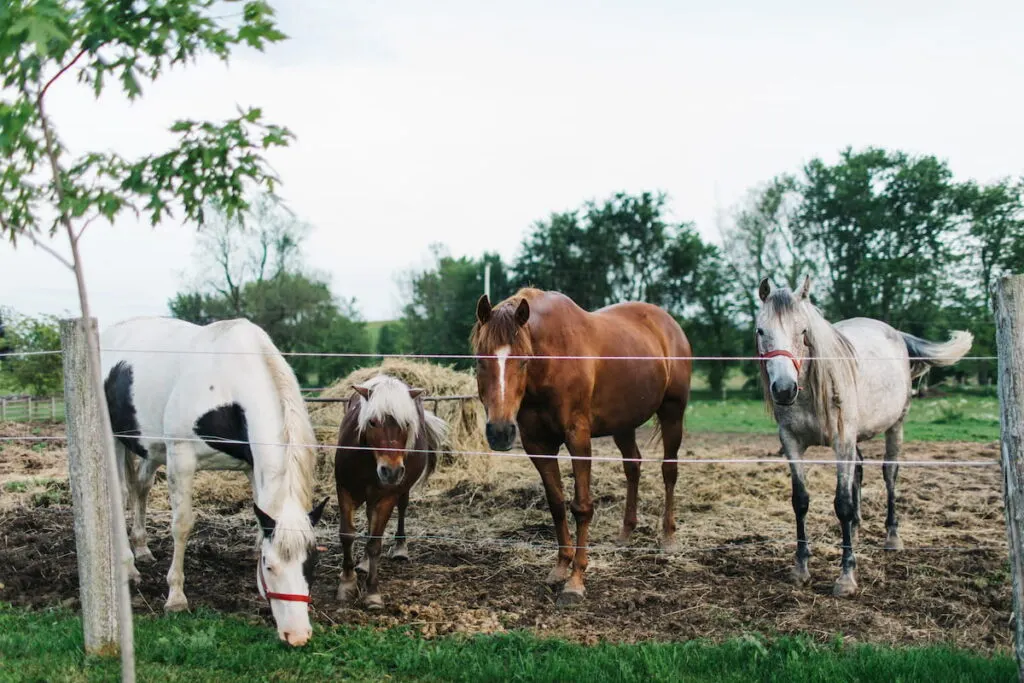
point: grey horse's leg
(890, 468)
(846, 511)
(794, 451)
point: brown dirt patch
(485, 545)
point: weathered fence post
(98, 511)
(1010, 342)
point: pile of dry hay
(465, 418)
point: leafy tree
(441, 306)
(40, 375)
(255, 270)
(392, 339)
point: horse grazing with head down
(837, 385)
(525, 382)
(222, 397)
(387, 445)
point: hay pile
(465, 418)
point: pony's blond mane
(389, 397)
(830, 371)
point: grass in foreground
(956, 418)
(204, 647)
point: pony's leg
(127, 484)
(401, 549)
(670, 415)
(582, 511)
(181, 469)
(626, 443)
(858, 481)
(846, 511)
(551, 477)
(348, 585)
(794, 451)
(890, 468)
(364, 564)
(146, 475)
(381, 515)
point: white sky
(462, 122)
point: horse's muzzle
(390, 476)
(784, 393)
(501, 436)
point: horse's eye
(760, 332)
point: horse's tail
(436, 431)
(927, 354)
(300, 439)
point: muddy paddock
(482, 543)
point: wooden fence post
(1010, 342)
(100, 565)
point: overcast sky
(462, 122)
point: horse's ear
(415, 393)
(267, 523)
(362, 391)
(522, 312)
(764, 289)
(805, 288)
(483, 309)
(315, 513)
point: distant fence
(29, 408)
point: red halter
(287, 597)
(785, 354)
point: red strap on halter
(783, 353)
(287, 597)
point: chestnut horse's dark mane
(502, 329)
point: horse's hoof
(558, 575)
(133, 573)
(624, 535)
(570, 597)
(176, 604)
(893, 542)
(400, 552)
(364, 566)
(374, 603)
(144, 555)
(845, 587)
(800, 576)
(347, 592)
(669, 545)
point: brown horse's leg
(364, 564)
(670, 416)
(626, 443)
(348, 586)
(381, 515)
(583, 511)
(552, 480)
(401, 550)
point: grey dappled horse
(837, 385)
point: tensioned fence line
(469, 356)
(557, 456)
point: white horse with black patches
(217, 397)
(837, 385)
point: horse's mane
(502, 329)
(389, 397)
(300, 458)
(831, 365)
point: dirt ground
(481, 546)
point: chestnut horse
(387, 444)
(556, 401)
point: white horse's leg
(890, 468)
(128, 490)
(181, 468)
(251, 474)
(794, 451)
(144, 482)
(846, 511)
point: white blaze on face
(502, 355)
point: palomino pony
(217, 397)
(387, 445)
(837, 385)
(572, 400)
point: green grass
(960, 417)
(47, 645)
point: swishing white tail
(926, 354)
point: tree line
(884, 234)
